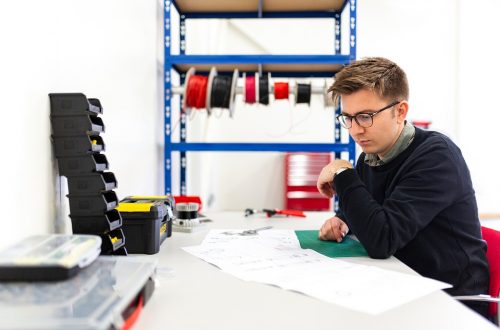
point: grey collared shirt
(404, 140)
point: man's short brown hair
(377, 74)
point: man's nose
(356, 128)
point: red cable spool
(196, 93)
(280, 90)
(250, 95)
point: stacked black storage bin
(76, 135)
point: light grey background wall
(112, 50)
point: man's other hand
(333, 229)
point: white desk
(197, 295)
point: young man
(411, 194)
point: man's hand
(333, 229)
(325, 178)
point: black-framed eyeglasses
(363, 119)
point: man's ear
(402, 111)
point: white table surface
(192, 294)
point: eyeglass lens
(363, 120)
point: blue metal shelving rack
(282, 66)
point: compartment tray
(67, 104)
(91, 183)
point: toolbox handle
(132, 315)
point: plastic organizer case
(99, 297)
(50, 257)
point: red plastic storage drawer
(301, 173)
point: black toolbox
(146, 222)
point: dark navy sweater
(421, 208)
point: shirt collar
(404, 140)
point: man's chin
(368, 150)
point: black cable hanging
(221, 92)
(303, 93)
(264, 89)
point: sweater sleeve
(427, 183)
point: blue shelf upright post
(352, 29)
(167, 69)
(338, 50)
(183, 158)
(352, 54)
(337, 133)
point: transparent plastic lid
(94, 299)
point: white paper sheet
(275, 257)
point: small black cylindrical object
(264, 89)
(221, 92)
(303, 93)
(187, 211)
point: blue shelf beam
(276, 74)
(260, 59)
(237, 15)
(279, 147)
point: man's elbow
(379, 253)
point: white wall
(477, 93)
(105, 49)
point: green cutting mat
(347, 248)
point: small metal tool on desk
(272, 212)
(248, 232)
